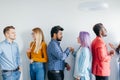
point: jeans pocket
(19, 72)
(6, 74)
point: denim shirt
(83, 62)
(56, 57)
(9, 55)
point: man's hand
(68, 67)
(29, 50)
(71, 49)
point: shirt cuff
(67, 51)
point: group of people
(90, 57)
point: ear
(101, 32)
(54, 35)
(6, 34)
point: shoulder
(52, 43)
(98, 42)
(2, 43)
(43, 43)
(85, 49)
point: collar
(8, 41)
(100, 39)
(55, 41)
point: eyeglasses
(32, 33)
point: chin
(13, 38)
(105, 35)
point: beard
(59, 39)
(105, 35)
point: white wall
(27, 14)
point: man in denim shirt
(56, 57)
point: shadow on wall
(26, 39)
(0, 67)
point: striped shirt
(9, 55)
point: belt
(11, 70)
(35, 61)
(55, 71)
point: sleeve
(18, 57)
(58, 53)
(83, 61)
(74, 53)
(29, 54)
(0, 51)
(102, 54)
(44, 53)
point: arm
(58, 53)
(103, 55)
(18, 59)
(83, 61)
(0, 51)
(74, 53)
(44, 53)
(29, 50)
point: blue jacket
(83, 61)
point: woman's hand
(29, 50)
(78, 78)
(112, 46)
(31, 61)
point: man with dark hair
(101, 56)
(56, 57)
(9, 55)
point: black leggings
(101, 77)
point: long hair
(39, 38)
(85, 39)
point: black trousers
(54, 75)
(101, 77)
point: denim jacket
(83, 61)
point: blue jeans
(11, 75)
(37, 71)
